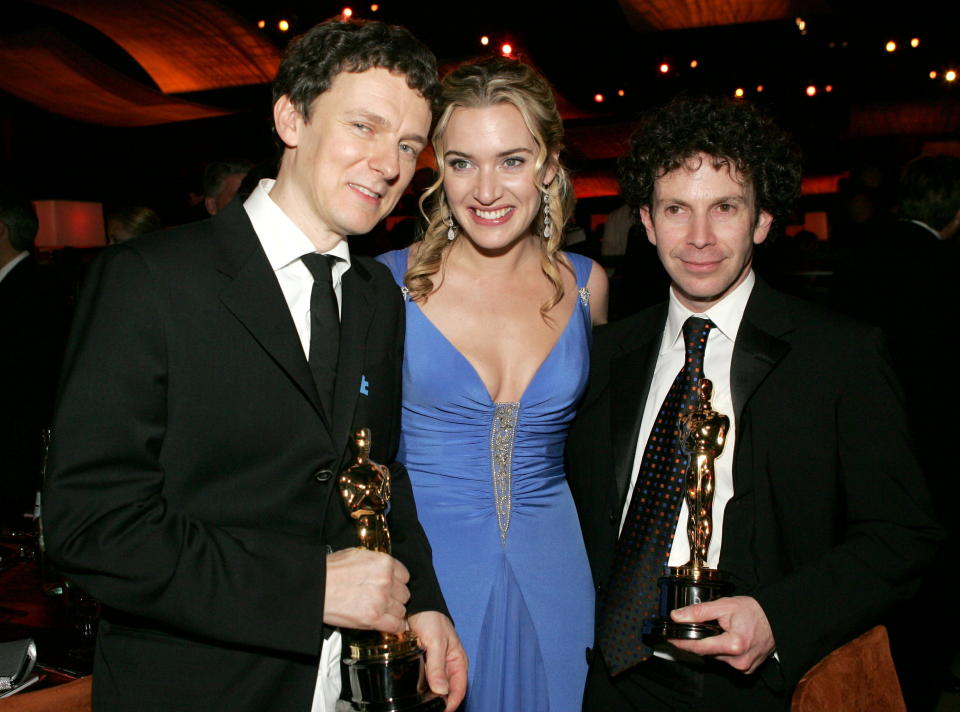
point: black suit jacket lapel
(759, 347)
(254, 297)
(631, 374)
(356, 314)
(756, 353)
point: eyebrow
(722, 199)
(512, 151)
(380, 122)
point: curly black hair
(730, 131)
(312, 60)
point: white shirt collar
(725, 314)
(283, 242)
(8, 268)
(926, 227)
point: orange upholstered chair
(856, 677)
(73, 696)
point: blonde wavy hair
(486, 83)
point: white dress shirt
(726, 315)
(284, 244)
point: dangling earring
(547, 229)
(451, 228)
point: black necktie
(324, 326)
(643, 549)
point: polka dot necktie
(643, 549)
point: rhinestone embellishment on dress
(584, 293)
(405, 292)
(502, 434)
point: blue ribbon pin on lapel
(364, 386)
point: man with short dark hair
(910, 272)
(19, 225)
(216, 375)
(27, 361)
(221, 181)
(819, 513)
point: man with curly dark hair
(820, 516)
(215, 376)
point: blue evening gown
(494, 501)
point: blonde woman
(497, 346)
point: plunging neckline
(476, 373)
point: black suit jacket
(193, 472)
(829, 522)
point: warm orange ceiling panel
(46, 69)
(184, 45)
(688, 14)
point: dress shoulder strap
(581, 267)
(396, 262)
(581, 270)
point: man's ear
(288, 121)
(647, 221)
(764, 221)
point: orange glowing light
(891, 46)
(693, 64)
(759, 88)
(950, 75)
(933, 74)
(69, 223)
(915, 42)
(620, 92)
(811, 90)
(664, 68)
(374, 7)
(348, 12)
(506, 49)
(283, 25)
(598, 98)
(738, 92)
(828, 88)
(484, 40)
(262, 24)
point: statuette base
(683, 586)
(393, 681)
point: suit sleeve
(886, 535)
(107, 521)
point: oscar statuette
(385, 671)
(703, 433)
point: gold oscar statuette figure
(703, 434)
(385, 671)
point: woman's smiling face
(490, 177)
